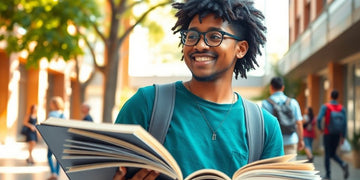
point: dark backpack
(337, 121)
(285, 116)
(164, 103)
(309, 125)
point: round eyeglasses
(212, 38)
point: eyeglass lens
(211, 38)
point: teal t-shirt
(189, 138)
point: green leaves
(41, 26)
(355, 141)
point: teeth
(203, 58)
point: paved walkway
(14, 167)
(13, 164)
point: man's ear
(243, 47)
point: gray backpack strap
(255, 129)
(164, 103)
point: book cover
(92, 151)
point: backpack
(285, 116)
(337, 121)
(309, 124)
(164, 103)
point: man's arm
(299, 125)
(266, 105)
(274, 138)
(300, 132)
(320, 117)
(345, 128)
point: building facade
(22, 87)
(324, 53)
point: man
(85, 111)
(219, 37)
(292, 141)
(330, 140)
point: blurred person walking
(30, 121)
(56, 111)
(334, 130)
(288, 113)
(309, 126)
(85, 111)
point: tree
(113, 42)
(42, 29)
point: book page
(132, 138)
(90, 157)
(119, 143)
(284, 158)
(279, 174)
(207, 174)
(89, 167)
(271, 165)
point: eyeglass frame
(183, 37)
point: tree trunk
(77, 98)
(110, 84)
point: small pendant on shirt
(214, 137)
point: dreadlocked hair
(244, 19)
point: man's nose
(201, 44)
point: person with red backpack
(334, 129)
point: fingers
(145, 174)
(120, 174)
(301, 145)
(152, 175)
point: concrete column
(75, 102)
(32, 89)
(59, 85)
(313, 88)
(313, 100)
(4, 93)
(301, 98)
(336, 80)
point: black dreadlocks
(244, 19)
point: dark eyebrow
(210, 29)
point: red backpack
(335, 120)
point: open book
(93, 151)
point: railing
(336, 18)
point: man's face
(84, 109)
(210, 63)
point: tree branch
(121, 7)
(122, 10)
(128, 31)
(88, 80)
(92, 52)
(112, 5)
(98, 32)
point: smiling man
(220, 38)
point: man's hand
(143, 174)
(301, 145)
(342, 139)
(120, 174)
(300, 133)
